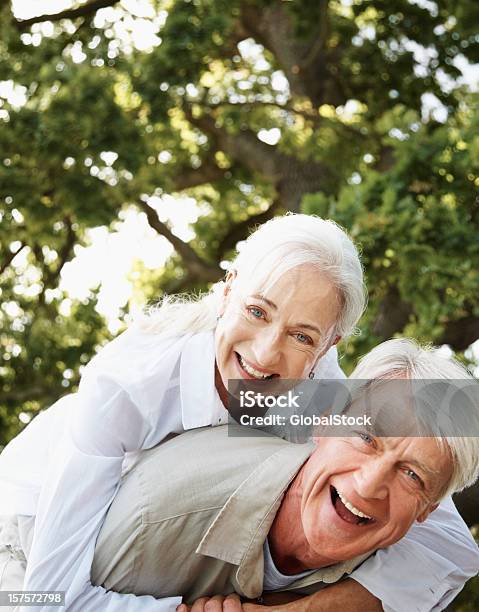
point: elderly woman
(294, 290)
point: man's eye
(256, 312)
(365, 437)
(302, 338)
(412, 475)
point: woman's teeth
(251, 371)
(351, 508)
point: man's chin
(341, 553)
(345, 550)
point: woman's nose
(267, 348)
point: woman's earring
(311, 375)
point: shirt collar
(238, 532)
(198, 394)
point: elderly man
(207, 514)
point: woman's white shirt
(65, 469)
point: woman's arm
(70, 512)
(83, 476)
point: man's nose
(267, 347)
(372, 479)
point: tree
(253, 108)
(352, 109)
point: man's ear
(426, 512)
(226, 291)
(336, 340)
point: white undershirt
(273, 579)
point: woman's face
(278, 332)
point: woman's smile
(249, 371)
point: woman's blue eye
(256, 312)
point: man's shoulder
(200, 468)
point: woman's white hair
(277, 246)
(448, 412)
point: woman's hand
(218, 603)
(232, 603)
(273, 602)
(344, 595)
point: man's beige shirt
(192, 516)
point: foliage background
(355, 110)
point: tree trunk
(467, 503)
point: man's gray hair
(459, 432)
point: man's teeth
(351, 508)
(251, 371)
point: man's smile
(346, 511)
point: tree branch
(302, 61)
(80, 11)
(244, 147)
(198, 268)
(33, 392)
(291, 177)
(187, 177)
(50, 274)
(460, 334)
(179, 285)
(319, 40)
(238, 232)
(46, 273)
(393, 314)
(10, 257)
(385, 159)
(310, 116)
(467, 502)
(241, 230)
(67, 248)
(272, 27)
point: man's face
(278, 332)
(393, 481)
